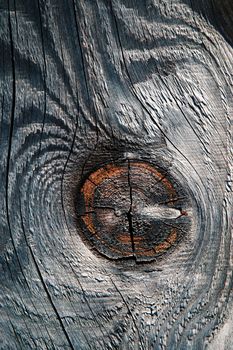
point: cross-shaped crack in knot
(127, 210)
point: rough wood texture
(86, 82)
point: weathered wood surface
(86, 82)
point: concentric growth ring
(132, 209)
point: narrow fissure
(129, 213)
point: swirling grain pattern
(83, 83)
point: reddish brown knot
(131, 209)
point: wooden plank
(90, 83)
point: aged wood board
(116, 174)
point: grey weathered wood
(87, 81)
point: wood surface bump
(131, 209)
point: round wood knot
(132, 209)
